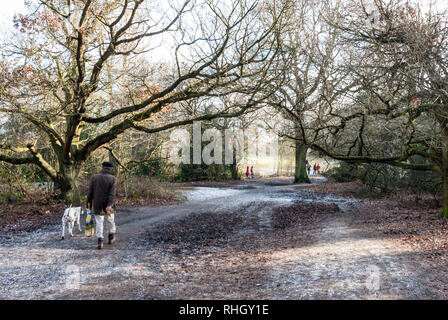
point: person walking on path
(314, 169)
(247, 172)
(318, 169)
(100, 199)
(252, 175)
(308, 167)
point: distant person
(247, 172)
(101, 198)
(314, 169)
(318, 169)
(252, 175)
(308, 167)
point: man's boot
(100, 243)
(111, 238)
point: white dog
(71, 215)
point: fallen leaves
(196, 230)
(300, 212)
(31, 216)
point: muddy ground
(261, 239)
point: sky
(7, 10)
(9, 7)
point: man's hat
(107, 164)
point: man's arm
(110, 199)
(90, 194)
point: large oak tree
(77, 74)
(396, 111)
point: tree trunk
(68, 184)
(444, 173)
(444, 213)
(234, 167)
(444, 167)
(234, 170)
(300, 175)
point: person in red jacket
(247, 172)
(318, 169)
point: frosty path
(222, 243)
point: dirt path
(222, 243)
(345, 263)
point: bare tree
(308, 53)
(395, 113)
(68, 58)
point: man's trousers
(99, 224)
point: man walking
(102, 193)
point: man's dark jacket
(101, 191)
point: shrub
(142, 190)
(385, 178)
